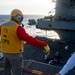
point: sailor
(12, 42)
(68, 66)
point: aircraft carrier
(36, 62)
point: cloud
(9, 2)
(27, 6)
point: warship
(38, 63)
(31, 22)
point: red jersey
(22, 35)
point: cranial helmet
(17, 15)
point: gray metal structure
(63, 22)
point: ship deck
(35, 63)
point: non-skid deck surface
(40, 64)
(42, 67)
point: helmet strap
(18, 18)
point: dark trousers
(13, 64)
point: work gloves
(47, 49)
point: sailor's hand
(47, 49)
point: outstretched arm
(68, 66)
(22, 35)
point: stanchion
(35, 71)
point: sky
(39, 7)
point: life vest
(10, 43)
(0, 38)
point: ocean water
(31, 29)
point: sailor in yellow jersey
(0, 38)
(12, 43)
